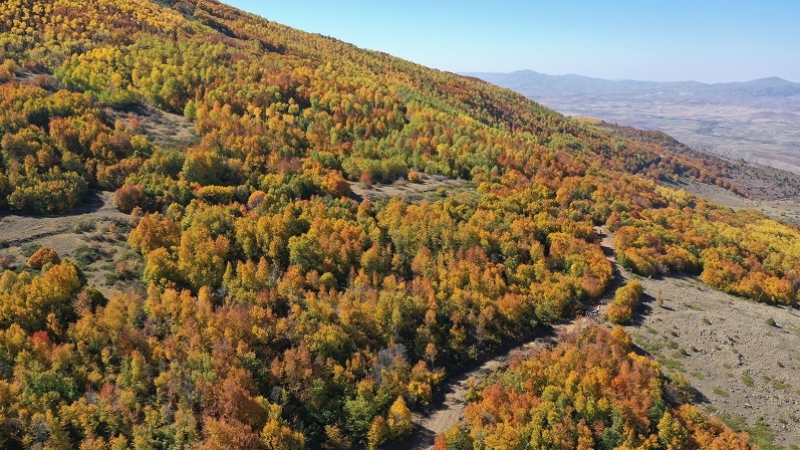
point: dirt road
(449, 410)
(742, 366)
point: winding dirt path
(741, 364)
(449, 409)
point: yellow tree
(378, 433)
(201, 259)
(399, 419)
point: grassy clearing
(722, 392)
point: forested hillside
(276, 309)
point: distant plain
(758, 121)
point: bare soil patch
(430, 188)
(19, 229)
(162, 128)
(785, 208)
(94, 236)
(742, 357)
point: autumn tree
(43, 256)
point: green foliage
(30, 301)
(51, 192)
(761, 433)
(83, 225)
(86, 255)
(456, 438)
(29, 249)
(739, 252)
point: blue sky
(703, 40)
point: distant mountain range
(533, 84)
(758, 120)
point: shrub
(52, 192)
(5, 75)
(83, 225)
(86, 255)
(128, 197)
(29, 248)
(43, 256)
(682, 389)
(255, 199)
(414, 177)
(638, 262)
(113, 176)
(619, 314)
(205, 168)
(626, 299)
(365, 179)
(216, 194)
(335, 185)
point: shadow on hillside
(95, 200)
(420, 438)
(643, 310)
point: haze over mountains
(756, 120)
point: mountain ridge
(524, 80)
(523, 72)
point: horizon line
(775, 77)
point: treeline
(626, 299)
(742, 252)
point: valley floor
(786, 209)
(762, 135)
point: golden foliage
(44, 255)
